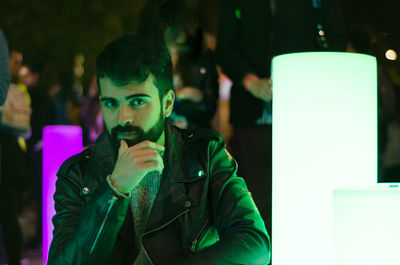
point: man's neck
(161, 140)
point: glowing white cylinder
(59, 143)
(324, 136)
(366, 226)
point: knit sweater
(143, 196)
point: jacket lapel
(101, 162)
(171, 200)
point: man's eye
(137, 102)
(109, 104)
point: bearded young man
(147, 192)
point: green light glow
(324, 136)
(366, 223)
(238, 14)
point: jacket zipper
(158, 228)
(111, 203)
(202, 231)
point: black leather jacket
(203, 213)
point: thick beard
(153, 134)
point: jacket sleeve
(83, 231)
(242, 233)
(4, 69)
(229, 58)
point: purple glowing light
(59, 143)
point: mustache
(127, 128)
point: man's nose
(125, 116)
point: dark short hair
(132, 59)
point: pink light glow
(59, 143)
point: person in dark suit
(194, 67)
(250, 33)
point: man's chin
(130, 138)
(116, 141)
(132, 142)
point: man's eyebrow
(106, 98)
(126, 98)
(137, 96)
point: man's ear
(168, 102)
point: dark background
(53, 32)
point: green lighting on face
(324, 136)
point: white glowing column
(59, 143)
(366, 226)
(324, 136)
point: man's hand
(134, 163)
(260, 88)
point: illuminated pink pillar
(59, 143)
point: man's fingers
(147, 144)
(149, 158)
(123, 147)
(268, 96)
(269, 82)
(267, 92)
(147, 166)
(155, 166)
(266, 86)
(145, 152)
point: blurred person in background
(91, 115)
(43, 114)
(15, 123)
(15, 61)
(64, 99)
(360, 40)
(250, 33)
(150, 22)
(4, 68)
(4, 85)
(194, 65)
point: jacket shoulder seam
(67, 164)
(201, 134)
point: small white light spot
(391, 55)
(85, 190)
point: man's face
(15, 61)
(25, 76)
(133, 112)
